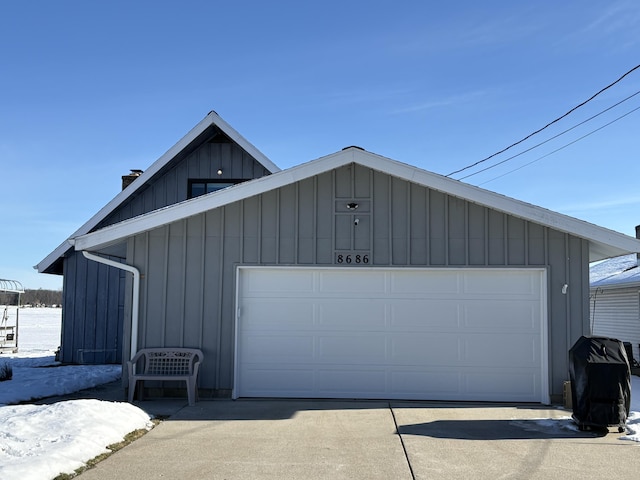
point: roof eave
(623, 246)
(603, 243)
(613, 285)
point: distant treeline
(40, 297)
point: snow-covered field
(39, 332)
(38, 442)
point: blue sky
(90, 90)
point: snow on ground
(38, 442)
(38, 377)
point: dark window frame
(229, 182)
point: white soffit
(604, 243)
(210, 120)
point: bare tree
(41, 297)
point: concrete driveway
(300, 439)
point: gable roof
(603, 243)
(211, 120)
(620, 272)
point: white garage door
(427, 334)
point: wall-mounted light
(219, 171)
(565, 287)
(352, 205)
(356, 221)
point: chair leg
(191, 392)
(139, 385)
(132, 389)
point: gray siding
(93, 293)
(93, 313)
(171, 185)
(307, 223)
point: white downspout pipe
(135, 303)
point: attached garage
(453, 292)
(404, 333)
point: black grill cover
(600, 382)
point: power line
(561, 148)
(547, 125)
(551, 138)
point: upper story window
(202, 187)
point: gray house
(350, 276)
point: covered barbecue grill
(600, 383)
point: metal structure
(8, 323)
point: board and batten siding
(88, 298)
(615, 313)
(93, 312)
(171, 185)
(189, 266)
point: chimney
(129, 178)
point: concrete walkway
(305, 439)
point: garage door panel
(488, 385)
(500, 315)
(265, 283)
(411, 350)
(506, 282)
(275, 314)
(434, 385)
(352, 349)
(265, 382)
(350, 382)
(492, 351)
(342, 314)
(278, 348)
(441, 334)
(424, 315)
(412, 283)
(350, 283)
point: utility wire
(552, 138)
(547, 125)
(561, 148)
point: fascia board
(603, 241)
(211, 119)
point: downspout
(136, 294)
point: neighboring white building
(615, 300)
